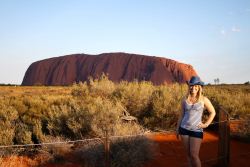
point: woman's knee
(194, 155)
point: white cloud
(235, 29)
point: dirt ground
(170, 152)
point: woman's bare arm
(210, 108)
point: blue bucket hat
(195, 80)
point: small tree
(216, 81)
(247, 83)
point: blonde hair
(199, 95)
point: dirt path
(170, 152)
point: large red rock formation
(68, 69)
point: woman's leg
(195, 144)
(186, 140)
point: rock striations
(66, 70)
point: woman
(190, 126)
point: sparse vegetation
(38, 114)
(127, 152)
(32, 114)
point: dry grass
(85, 110)
(41, 114)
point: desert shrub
(80, 90)
(57, 153)
(31, 119)
(8, 116)
(105, 114)
(56, 118)
(84, 116)
(90, 154)
(7, 135)
(37, 131)
(22, 134)
(35, 108)
(67, 118)
(235, 101)
(86, 109)
(18, 104)
(164, 107)
(135, 96)
(131, 152)
(126, 152)
(101, 86)
(79, 122)
(122, 129)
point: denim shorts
(190, 133)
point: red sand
(170, 152)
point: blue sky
(211, 35)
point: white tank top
(192, 116)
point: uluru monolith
(66, 70)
